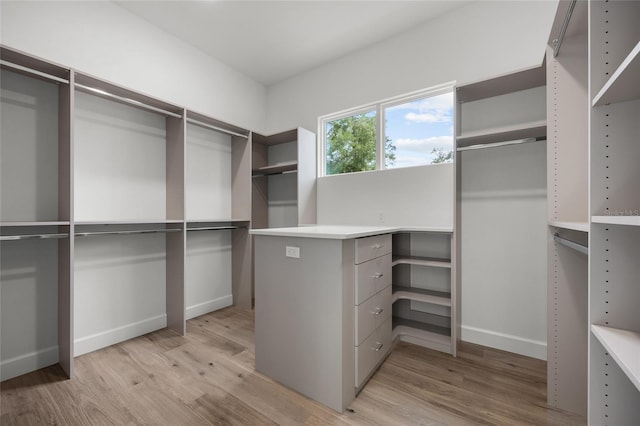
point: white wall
(105, 40)
(474, 42)
(503, 248)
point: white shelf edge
(574, 226)
(617, 220)
(502, 129)
(624, 348)
(421, 261)
(627, 72)
(419, 297)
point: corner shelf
(573, 226)
(624, 347)
(421, 261)
(504, 133)
(427, 335)
(420, 295)
(624, 84)
(617, 220)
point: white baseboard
(106, 338)
(506, 342)
(26, 363)
(208, 306)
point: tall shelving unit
(568, 209)
(128, 213)
(501, 128)
(614, 101)
(284, 179)
(424, 290)
(36, 215)
(99, 223)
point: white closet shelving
(505, 108)
(35, 216)
(424, 304)
(284, 179)
(112, 203)
(567, 209)
(501, 128)
(614, 88)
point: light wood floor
(208, 377)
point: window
(406, 131)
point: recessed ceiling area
(271, 41)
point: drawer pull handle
(376, 246)
(378, 311)
(377, 347)
(377, 276)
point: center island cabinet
(323, 307)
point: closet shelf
(431, 336)
(421, 261)
(617, 220)
(532, 129)
(624, 83)
(574, 226)
(421, 295)
(624, 347)
(286, 166)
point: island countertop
(340, 232)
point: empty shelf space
(533, 129)
(421, 295)
(617, 220)
(624, 83)
(428, 335)
(421, 261)
(287, 166)
(624, 347)
(574, 226)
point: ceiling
(271, 41)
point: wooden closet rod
(558, 41)
(216, 128)
(32, 71)
(571, 244)
(496, 144)
(126, 100)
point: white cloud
(425, 145)
(427, 118)
(437, 109)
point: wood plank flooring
(207, 377)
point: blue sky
(418, 127)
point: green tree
(351, 145)
(442, 156)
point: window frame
(379, 108)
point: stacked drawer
(373, 303)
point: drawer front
(371, 247)
(373, 350)
(372, 276)
(372, 313)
